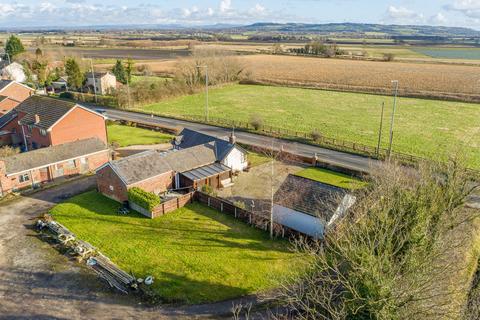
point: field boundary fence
(317, 139)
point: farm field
(127, 136)
(195, 254)
(450, 53)
(425, 79)
(427, 128)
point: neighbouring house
(12, 93)
(308, 206)
(32, 169)
(40, 122)
(158, 172)
(101, 83)
(227, 151)
(61, 84)
(13, 71)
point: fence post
(178, 203)
(250, 218)
(221, 206)
(208, 201)
(235, 212)
(163, 208)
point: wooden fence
(304, 137)
(255, 219)
(165, 207)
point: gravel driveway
(36, 282)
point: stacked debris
(105, 269)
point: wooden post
(221, 206)
(208, 201)
(178, 203)
(163, 208)
(235, 212)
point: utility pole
(395, 82)
(206, 90)
(380, 131)
(128, 92)
(94, 81)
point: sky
(31, 13)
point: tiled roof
(45, 156)
(152, 163)
(4, 83)
(7, 117)
(308, 196)
(190, 138)
(49, 110)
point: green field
(127, 136)
(450, 53)
(332, 178)
(427, 128)
(195, 254)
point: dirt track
(36, 282)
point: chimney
(232, 139)
(37, 118)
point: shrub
(144, 199)
(256, 121)
(388, 57)
(316, 135)
(207, 189)
(67, 95)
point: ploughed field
(427, 128)
(195, 254)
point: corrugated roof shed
(45, 156)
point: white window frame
(43, 132)
(24, 177)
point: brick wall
(77, 125)
(157, 184)
(44, 175)
(110, 185)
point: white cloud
(225, 5)
(403, 15)
(469, 8)
(439, 18)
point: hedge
(144, 199)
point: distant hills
(390, 30)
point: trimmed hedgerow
(144, 199)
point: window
(111, 188)
(30, 127)
(43, 132)
(70, 164)
(24, 177)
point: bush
(67, 95)
(144, 199)
(256, 121)
(388, 57)
(316, 135)
(207, 189)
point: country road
(341, 159)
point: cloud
(469, 8)
(225, 5)
(437, 19)
(403, 15)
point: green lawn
(331, 177)
(195, 254)
(428, 128)
(256, 159)
(127, 136)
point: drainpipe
(24, 138)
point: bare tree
(396, 255)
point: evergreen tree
(129, 69)
(14, 46)
(119, 72)
(75, 75)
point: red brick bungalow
(40, 122)
(37, 167)
(158, 172)
(12, 94)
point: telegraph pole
(380, 131)
(395, 82)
